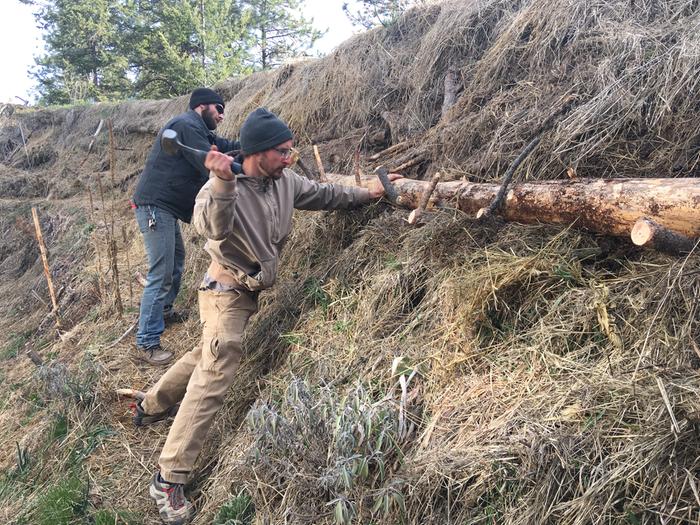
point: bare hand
(219, 164)
(376, 190)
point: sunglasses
(219, 109)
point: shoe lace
(176, 495)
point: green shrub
(239, 510)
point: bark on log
(608, 206)
(649, 233)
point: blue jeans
(166, 260)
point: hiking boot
(141, 419)
(173, 508)
(154, 355)
(172, 316)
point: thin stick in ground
(47, 271)
(128, 266)
(319, 163)
(112, 237)
(358, 173)
(98, 251)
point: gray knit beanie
(262, 130)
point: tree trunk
(608, 206)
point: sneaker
(154, 355)
(172, 316)
(141, 419)
(173, 508)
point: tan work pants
(200, 379)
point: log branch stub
(391, 193)
(415, 215)
(485, 213)
(548, 123)
(651, 234)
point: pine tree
(278, 32)
(177, 45)
(371, 13)
(83, 60)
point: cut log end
(642, 232)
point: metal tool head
(169, 142)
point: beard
(267, 171)
(209, 120)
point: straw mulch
(453, 373)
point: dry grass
(518, 374)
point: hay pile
(446, 374)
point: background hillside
(452, 373)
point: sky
(20, 41)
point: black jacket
(171, 182)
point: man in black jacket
(164, 195)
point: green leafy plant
(239, 510)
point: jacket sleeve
(312, 195)
(215, 207)
(195, 137)
(225, 145)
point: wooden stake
(45, 260)
(112, 238)
(358, 174)
(321, 169)
(92, 142)
(128, 266)
(451, 88)
(24, 143)
(98, 251)
(424, 199)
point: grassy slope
(540, 367)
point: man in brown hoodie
(246, 218)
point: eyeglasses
(219, 109)
(285, 153)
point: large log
(608, 206)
